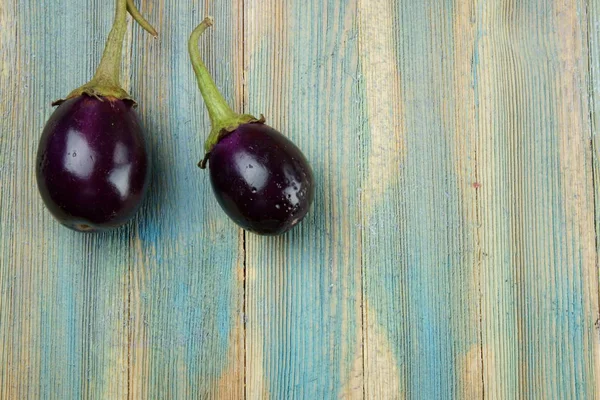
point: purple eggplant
(92, 163)
(260, 178)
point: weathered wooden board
(539, 279)
(186, 297)
(303, 290)
(593, 30)
(63, 303)
(419, 205)
(451, 251)
(148, 311)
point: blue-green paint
(189, 248)
(303, 303)
(446, 285)
(417, 242)
(550, 335)
(70, 286)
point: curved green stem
(217, 106)
(109, 70)
(107, 79)
(222, 117)
(140, 19)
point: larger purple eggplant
(92, 163)
(260, 178)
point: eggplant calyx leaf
(99, 92)
(224, 128)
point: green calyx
(107, 79)
(223, 119)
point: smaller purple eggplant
(92, 165)
(260, 178)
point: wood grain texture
(303, 290)
(419, 260)
(63, 307)
(187, 275)
(452, 251)
(148, 311)
(539, 266)
(593, 46)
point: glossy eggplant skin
(261, 179)
(92, 163)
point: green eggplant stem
(135, 13)
(109, 70)
(223, 119)
(107, 79)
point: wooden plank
(420, 250)
(452, 249)
(536, 201)
(187, 274)
(303, 290)
(63, 331)
(65, 305)
(592, 48)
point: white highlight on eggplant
(79, 158)
(253, 172)
(119, 176)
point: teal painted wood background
(452, 250)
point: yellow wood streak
(231, 383)
(385, 154)
(139, 345)
(383, 98)
(256, 381)
(470, 368)
(499, 334)
(354, 386)
(382, 376)
(539, 281)
(464, 120)
(577, 175)
(592, 49)
(8, 58)
(17, 341)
